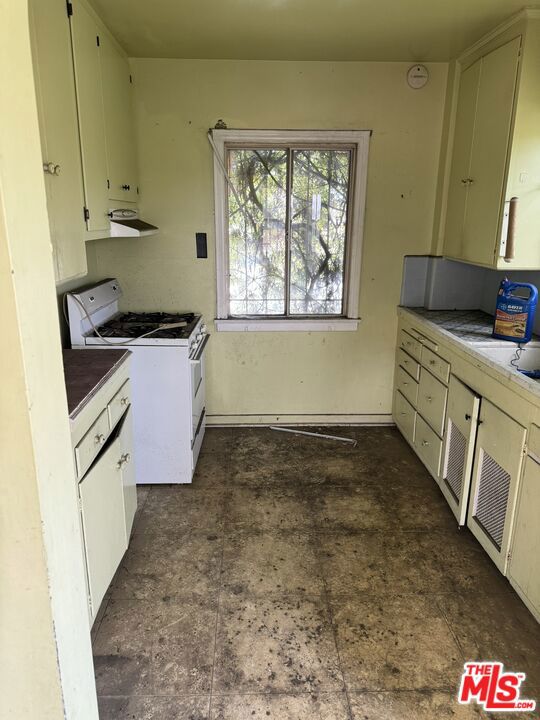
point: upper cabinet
(86, 58)
(493, 203)
(119, 128)
(53, 69)
(104, 94)
(83, 87)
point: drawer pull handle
(432, 362)
(425, 443)
(99, 439)
(405, 383)
(124, 459)
(124, 401)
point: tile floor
(302, 579)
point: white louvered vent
(492, 498)
(455, 463)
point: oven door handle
(198, 355)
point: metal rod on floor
(312, 434)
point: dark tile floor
(298, 579)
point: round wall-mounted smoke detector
(417, 76)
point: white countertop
(469, 331)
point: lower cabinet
(476, 452)
(428, 446)
(524, 563)
(500, 443)
(459, 441)
(101, 494)
(128, 471)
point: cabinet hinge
(508, 556)
(97, 40)
(69, 8)
(86, 213)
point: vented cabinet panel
(492, 498)
(461, 424)
(497, 466)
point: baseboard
(265, 420)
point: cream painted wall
(46, 666)
(298, 375)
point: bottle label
(510, 324)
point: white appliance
(167, 376)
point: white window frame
(360, 140)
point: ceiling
(391, 30)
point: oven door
(198, 390)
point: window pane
(320, 188)
(257, 231)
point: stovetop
(133, 325)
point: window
(289, 212)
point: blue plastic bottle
(514, 314)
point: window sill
(280, 325)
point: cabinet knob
(99, 439)
(126, 187)
(429, 398)
(124, 401)
(467, 416)
(424, 443)
(432, 362)
(124, 459)
(51, 168)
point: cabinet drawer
(534, 441)
(119, 403)
(428, 446)
(410, 344)
(91, 443)
(432, 400)
(405, 416)
(436, 365)
(409, 364)
(406, 385)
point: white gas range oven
(167, 376)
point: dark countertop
(86, 371)
(473, 326)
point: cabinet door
(85, 34)
(524, 569)
(497, 465)
(461, 160)
(458, 453)
(53, 66)
(119, 126)
(104, 523)
(494, 112)
(128, 469)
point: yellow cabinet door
(85, 39)
(497, 465)
(458, 453)
(524, 569)
(119, 125)
(104, 523)
(489, 156)
(51, 46)
(461, 161)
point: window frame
(359, 140)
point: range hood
(126, 223)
